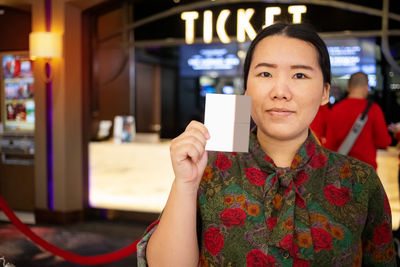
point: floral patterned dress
(325, 210)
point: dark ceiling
(155, 6)
(324, 18)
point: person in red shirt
(342, 116)
(318, 125)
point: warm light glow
(223, 16)
(270, 13)
(207, 27)
(244, 26)
(45, 45)
(297, 11)
(189, 18)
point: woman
(286, 202)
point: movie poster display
(17, 82)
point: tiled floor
(138, 176)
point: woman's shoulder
(349, 180)
(350, 169)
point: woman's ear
(325, 94)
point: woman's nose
(281, 90)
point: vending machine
(17, 109)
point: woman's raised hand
(189, 157)
(174, 242)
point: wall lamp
(45, 45)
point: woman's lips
(281, 112)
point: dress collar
(286, 197)
(304, 155)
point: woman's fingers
(188, 146)
(188, 151)
(198, 126)
(196, 134)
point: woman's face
(286, 85)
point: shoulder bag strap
(355, 131)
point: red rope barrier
(86, 260)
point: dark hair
(299, 31)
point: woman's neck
(281, 152)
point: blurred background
(85, 123)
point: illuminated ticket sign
(244, 27)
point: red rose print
(213, 240)
(274, 180)
(318, 161)
(300, 263)
(287, 190)
(256, 176)
(222, 162)
(300, 201)
(337, 196)
(300, 179)
(322, 240)
(267, 158)
(382, 234)
(231, 217)
(288, 244)
(310, 148)
(256, 258)
(271, 223)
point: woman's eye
(265, 74)
(299, 76)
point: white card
(227, 118)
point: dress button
(284, 253)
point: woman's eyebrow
(293, 67)
(307, 67)
(265, 64)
